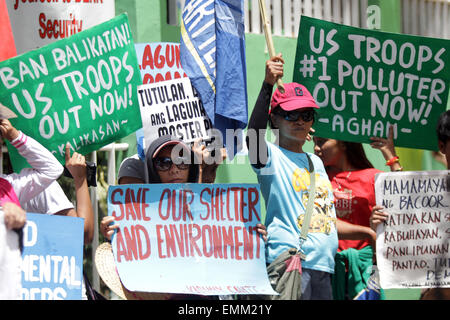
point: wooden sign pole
(268, 34)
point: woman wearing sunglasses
(163, 166)
(283, 171)
(170, 160)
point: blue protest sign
(52, 260)
(189, 238)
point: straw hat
(106, 267)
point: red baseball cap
(295, 96)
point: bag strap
(310, 203)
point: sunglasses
(306, 115)
(165, 163)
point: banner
(172, 108)
(212, 52)
(38, 23)
(80, 90)
(365, 81)
(189, 238)
(159, 61)
(413, 244)
(52, 259)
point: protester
(17, 188)
(283, 171)
(133, 170)
(169, 160)
(54, 201)
(352, 177)
(380, 215)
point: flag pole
(268, 34)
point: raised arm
(260, 114)
(387, 148)
(76, 164)
(45, 167)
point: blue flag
(212, 51)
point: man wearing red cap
(283, 171)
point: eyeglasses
(165, 163)
(306, 115)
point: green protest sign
(365, 81)
(80, 90)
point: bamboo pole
(268, 34)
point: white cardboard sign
(413, 244)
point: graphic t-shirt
(354, 195)
(285, 182)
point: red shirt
(354, 196)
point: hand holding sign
(274, 69)
(75, 164)
(387, 148)
(384, 145)
(7, 130)
(209, 160)
(108, 227)
(262, 230)
(15, 217)
(378, 216)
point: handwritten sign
(172, 108)
(189, 238)
(52, 260)
(159, 61)
(80, 90)
(365, 81)
(38, 23)
(413, 244)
